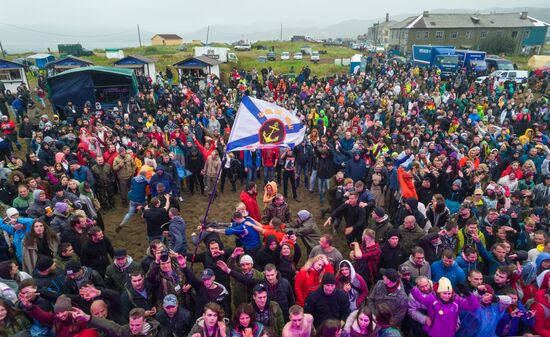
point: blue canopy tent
(106, 85)
(70, 62)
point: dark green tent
(106, 85)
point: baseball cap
(72, 267)
(120, 253)
(404, 269)
(207, 274)
(170, 300)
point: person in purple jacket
(444, 307)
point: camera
(165, 255)
(290, 233)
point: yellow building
(166, 40)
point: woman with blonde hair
(309, 277)
(270, 191)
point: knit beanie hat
(458, 182)
(62, 304)
(379, 211)
(328, 278)
(444, 285)
(303, 215)
(61, 207)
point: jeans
(269, 174)
(323, 185)
(299, 170)
(131, 211)
(250, 174)
(312, 180)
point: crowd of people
(432, 217)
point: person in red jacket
(406, 183)
(248, 197)
(61, 319)
(541, 307)
(309, 277)
(269, 161)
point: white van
(519, 76)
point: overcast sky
(186, 15)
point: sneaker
(118, 229)
(180, 199)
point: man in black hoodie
(195, 164)
(327, 302)
(393, 254)
(96, 252)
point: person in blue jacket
(252, 163)
(517, 320)
(136, 196)
(17, 227)
(244, 229)
(161, 177)
(447, 267)
(355, 168)
(484, 320)
(18, 107)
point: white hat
(246, 259)
(10, 212)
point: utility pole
(281, 31)
(207, 34)
(139, 35)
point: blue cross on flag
(261, 125)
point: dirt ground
(133, 235)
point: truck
(472, 59)
(217, 53)
(442, 57)
(74, 49)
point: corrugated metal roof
(469, 20)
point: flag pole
(212, 196)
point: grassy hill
(168, 55)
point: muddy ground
(133, 235)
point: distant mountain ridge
(343, 29)
(16, 40)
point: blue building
(69, 62)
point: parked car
(298, 56)
(271, 56)
(285, 56)
(243, 46)
(262, 59)
(315, 56)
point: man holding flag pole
(260, 125)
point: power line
(64, 35)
